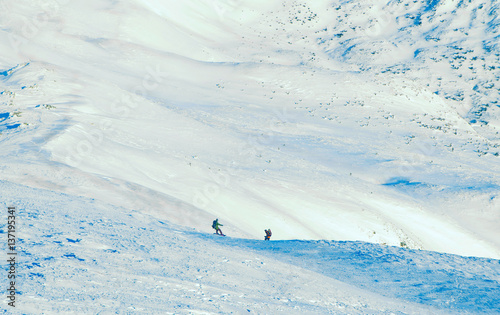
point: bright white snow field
(350, 128)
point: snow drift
(374, 121)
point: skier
(268, 234)
(216, 226)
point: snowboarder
(268, 234)
(216, 226)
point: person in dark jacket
(216, 226)
(268, 234)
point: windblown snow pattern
(365, 134)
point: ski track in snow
(126, 127)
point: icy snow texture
(371, 121)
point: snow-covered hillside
(80, 256)
(373, 121)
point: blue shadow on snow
(445, 281)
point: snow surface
(128, 126)
(85, 257)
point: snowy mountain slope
(78, 255)
(373, 121)
(266, 115)
(169, 206)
